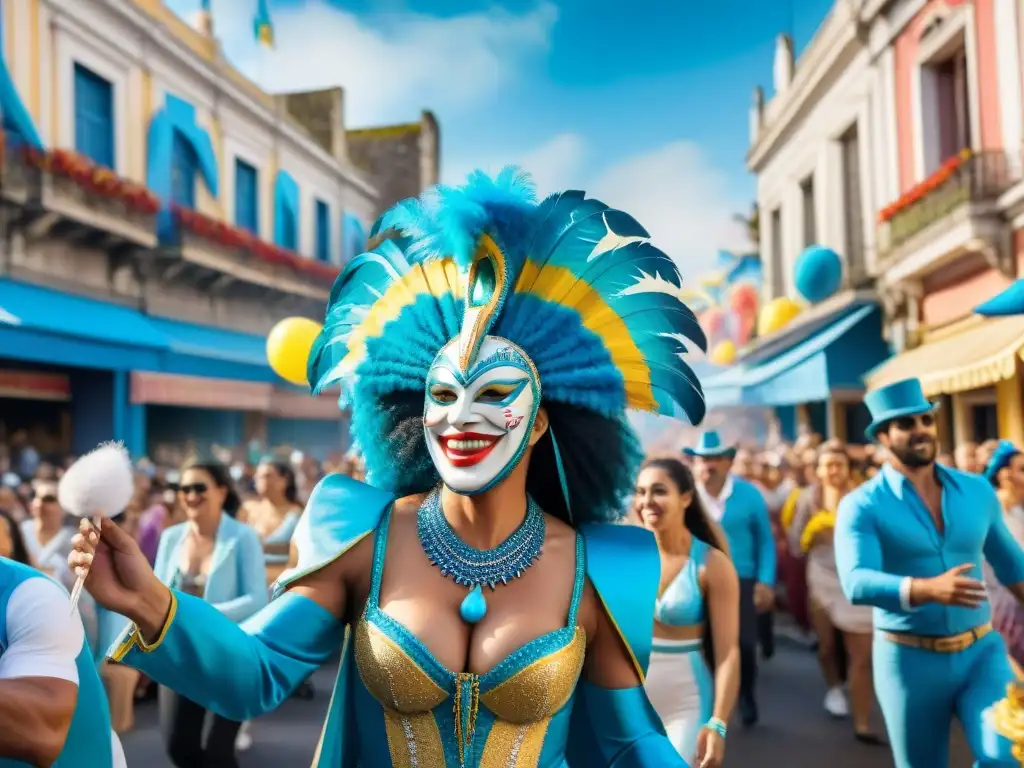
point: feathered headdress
(575, 284)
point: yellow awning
(980, 356)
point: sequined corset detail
(682, 603)
(433, 717)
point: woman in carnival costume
(488, 347)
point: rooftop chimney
(783, 70)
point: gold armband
(134, 638)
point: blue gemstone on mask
(474, 606)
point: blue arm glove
(619, 729)
(252, 579)
(765, 543)
(859, 560)
(1002, 551)
(238, 671)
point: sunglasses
(907, 423)
(197, 488)
(48, 499)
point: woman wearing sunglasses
(212, 556)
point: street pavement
(794, 731)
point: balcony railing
(966, 178)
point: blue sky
(647, 110)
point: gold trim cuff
(134, 638)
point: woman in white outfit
(696, 616)
(810, 535)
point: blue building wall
(204, 427)
(317, 438)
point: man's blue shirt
(885, 536)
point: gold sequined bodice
(432, 714)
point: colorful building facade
(814, 148)
(896, 140)
(950, 233)
(160, 214)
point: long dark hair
(291, 488)
(19, 552)
(221, 478)
(697, 522)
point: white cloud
(404, 62)
(673, 191)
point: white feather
(100, 483)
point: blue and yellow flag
(262, 27)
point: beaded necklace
(473, 567)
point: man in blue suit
(740, 509)
(910, 542)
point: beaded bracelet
(716, 725)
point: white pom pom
(99, 483)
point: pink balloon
(743, 299)
(746, 329)
(712, 321)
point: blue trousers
(920, 692)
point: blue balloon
(818, 273)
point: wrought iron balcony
(968, 181)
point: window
(183, 172)
(94, 116)
(247, 197)
(984, 422)
(810, 219)
(778, 278)
(853, 203)
(323, 232)
(946, 112)
(289, 232)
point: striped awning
(978, 356)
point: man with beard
(737, 505)
(911, 542)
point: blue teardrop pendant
(474, 606)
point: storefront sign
(198, 392)
(31, 385)
(297, 405)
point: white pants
(118, 751)
(681, 690)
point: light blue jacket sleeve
(764, 541)
(239, 671)
(1002, 551)
(859, 558)
(252, 578)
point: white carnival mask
(478, 424)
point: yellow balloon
(288, 348)
(724, 353)
(776, 315)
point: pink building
(951, 229)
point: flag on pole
(262, 26)
(205, 13)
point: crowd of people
(182, 519)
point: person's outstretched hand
(117, 573)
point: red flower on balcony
(93, 177)
(232, 237)
(920, 191)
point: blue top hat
(1001, 457)
(710, 447)
(894, 401)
